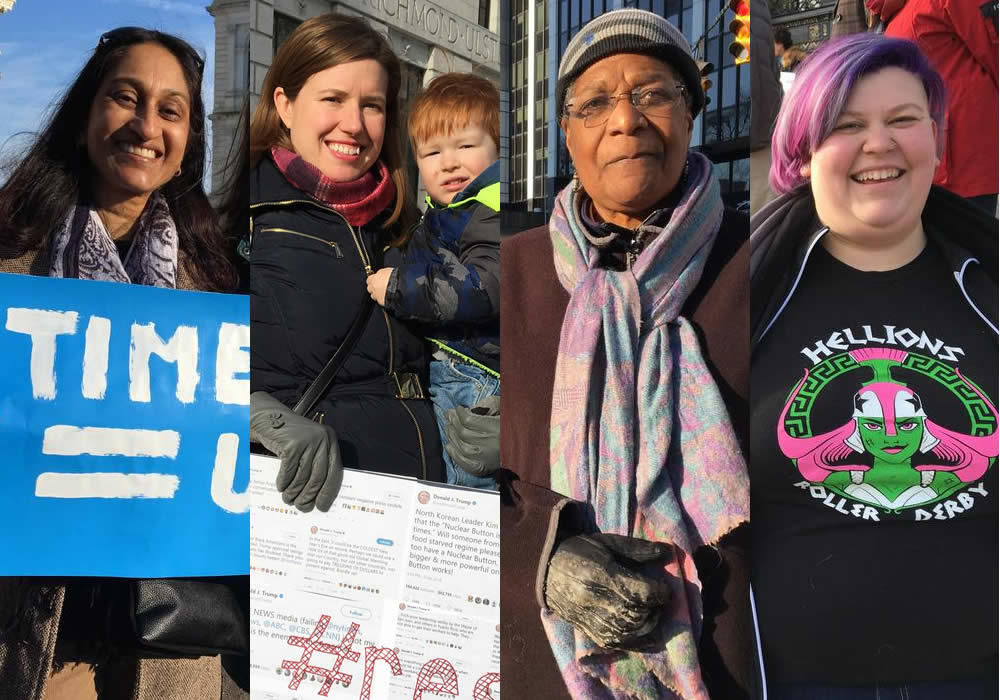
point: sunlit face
(449, 163)
(337, 121)
(633, 161)
(871, 176)
(895, 449)
(139, 121)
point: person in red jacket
(959, 38)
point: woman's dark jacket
(785, 232)
(307, 285)
(533, 518)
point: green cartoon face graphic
(890, 454)
(894, 449)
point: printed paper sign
(393, 594)
(123, 430)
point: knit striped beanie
(629, 31)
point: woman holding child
(330, 212)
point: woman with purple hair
(873, 393)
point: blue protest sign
(124, 414)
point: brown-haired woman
(328, 193)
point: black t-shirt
(874, 478)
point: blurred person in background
(766, 89)
(959, 38)
(849, 17)
(788, 55)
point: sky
(44, 44)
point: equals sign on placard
(72, 441)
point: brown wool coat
(534, 518)
(29, 632)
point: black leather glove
(593, 582)
(474, 436)
(311, 470)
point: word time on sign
(128, 395)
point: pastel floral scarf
(641, 433)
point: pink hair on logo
(814, 456)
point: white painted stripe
(71, 441)
(760, 648)
(106, 485)
(95, 357)
(960, 278)
(795, 284)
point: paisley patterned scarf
(82, 248)
(641, 433)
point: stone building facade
(232, 80)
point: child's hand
(377, 284)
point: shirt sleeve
(450, 287)
(976, 28)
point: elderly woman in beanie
(625, 319)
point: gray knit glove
(311, 470)
(474, 436)
(593, 582)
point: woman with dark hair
(873, 432)
(328, 198)
(130, 152)
(111, 190)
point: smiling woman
(114, 181)
(112, 190)
(328, 196)
(870, 447)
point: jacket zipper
(960, 279)
(795, 284)
(635, 245)
(332, 244)
(443, 347)
(420, 438)
(365, 260)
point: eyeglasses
(650, 101)
(124, 35)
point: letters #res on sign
(123, 430)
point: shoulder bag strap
(315, 391)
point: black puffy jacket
(307, 283)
